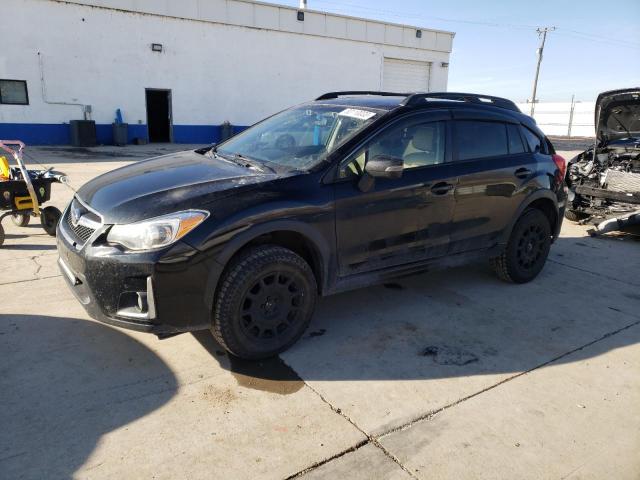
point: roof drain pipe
(86, 109)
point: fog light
(143, 306)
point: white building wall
(99, 56)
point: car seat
(423, 149)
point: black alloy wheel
(264, 303)
(527, 249)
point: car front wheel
(527, 249)
(264, 303)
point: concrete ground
(453, 375)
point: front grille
(82, 230)
(83, 233)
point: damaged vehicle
(604, 180)
(349, 190)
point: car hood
(165, 184)
(615, 110)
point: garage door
(405, 75)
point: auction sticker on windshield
(356, 113)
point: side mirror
(385, 166)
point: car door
(402, 220)
(493, 167)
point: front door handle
(523, 173)
(441, 188)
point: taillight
(561, 163)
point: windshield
(298, 138)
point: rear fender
(537, 195)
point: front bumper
(161, 292)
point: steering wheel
(285, 142)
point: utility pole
(573, 107)
(542, 32)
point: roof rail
(330, 95)
(476, 98)
(412, 99)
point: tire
(264, 303)
(574, 216)
(21, 219)
(1, 235)
(527, 249)
(49, 218)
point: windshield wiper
(206, 150)
(251, 162)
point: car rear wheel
(264, 303)
(527, 249)
(20, 219)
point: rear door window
(479, 139)
(515, 139)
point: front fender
(233, 241)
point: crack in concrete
(327, 460)
(370, 439)
(374, 439)
(30, 279)
(584, 270)
(38, 267)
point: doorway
(159, 115)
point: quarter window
(477, 139)
(515, 139)
(533, 141)
(14, 92)
(419, 144)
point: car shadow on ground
(461, 322)
(66, 382)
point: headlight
(156, 232)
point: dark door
(493, 168)
(397, 221)
(159, 115)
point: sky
(596, 45)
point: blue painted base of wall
(59, 133)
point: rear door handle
(523, 173)
(441, 188)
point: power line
(421, 17)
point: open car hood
(615, 110)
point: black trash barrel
(83, 133)
(120, 133)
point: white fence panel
(554, 118)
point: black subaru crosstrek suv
(351, 189)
